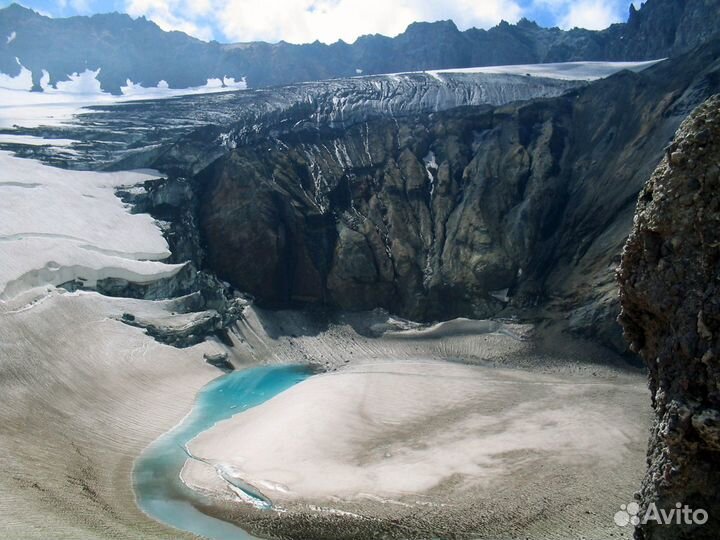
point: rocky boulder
(670, 295)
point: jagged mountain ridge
(139, 50)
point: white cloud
(78, 6)
(591, 14)
(81, 6)
(303, 21)
(199, 7)
(170, 15)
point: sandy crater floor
(384, 441)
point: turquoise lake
(156, 477)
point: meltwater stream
(156, 477)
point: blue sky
(302, 21)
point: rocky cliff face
(139, 50)
(671, 315)
(369, 192)
(468, 212)
(660, 29)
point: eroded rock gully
(476, 211)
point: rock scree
(670, 296)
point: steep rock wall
(435, 216)
(671, 314)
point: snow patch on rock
(22, 81)
(57, 104)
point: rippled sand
(83, 394)
(383, 441)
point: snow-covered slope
(82, 392)
(571, 71)
(58, 226)
(120, 131)
(56, 104)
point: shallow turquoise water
(156, 476)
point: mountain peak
(445, 25)
(19, 9)
(527, 23)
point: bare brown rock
(670, 298)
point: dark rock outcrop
(125, 48)
(670, 295)
(459, 213)
(662, 28)
(220, 361)
(200, 304)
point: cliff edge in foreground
(670, 296)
